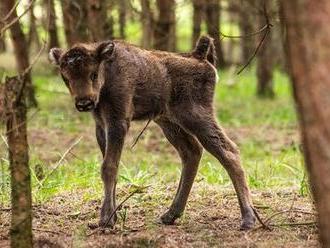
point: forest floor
(211, 220)
(67, 189)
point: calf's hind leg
(190, 152)
(203, 125)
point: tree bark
(2, 44)
(122, 18)
(198, 12)
(75, 21)
(246, 21)
(265, 59)
(308, 50)
(213, 28)
(147, 21)
(164, 35)
(33, 37)
(20, 51)
(2, 39)
(99, 24)
(21, 198)
(51, 25)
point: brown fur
(174, 90)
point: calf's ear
(55, 55)
(105, 50)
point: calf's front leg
(115, 135)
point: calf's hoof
(248, 222)
(105, 222)
(169, 218)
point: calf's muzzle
(84, 104)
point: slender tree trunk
(2, 39)
(232, 45)
(246, 20)
(2, 44)
(198, 12)
(99, 24)
(21, 198)
(278, 45)
(164, 35)
(308, 50)
(265, 60)
(75, 21)
(122, 18)
(147, 24)
(51, 25)
(33, 38)
(213, 28)
(15, 90)
(20, 51)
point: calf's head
(82, 70)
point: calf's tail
(205, 50)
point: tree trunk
(198, 11)
(232, 45)
(21, 198)
(278, 45)
(246, 21)
(164, 35)
(213, 28)
(75, 21)
(308, 50)
(2, 38)
(122, 18)
(20, 51)
(147, 24)
(2, 44)
(99, 24)
(33, 38)
(51, 25)
(265, 60)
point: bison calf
(120, 83)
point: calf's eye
(93, 76)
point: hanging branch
(255, 51)
(266, 29)
(244, 36)
(8, 25)
(11, 11)
(140, 134)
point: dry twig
(59, 162)
(10, 12)
(140, 134)
(263, 224)
(288, 211)
(48, 231)
(307, 223)
(12, 22)
(138, 190)
(267, 30)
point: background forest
(253, 103)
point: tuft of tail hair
(205, 49)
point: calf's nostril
(84, 104)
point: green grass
(263, 129)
